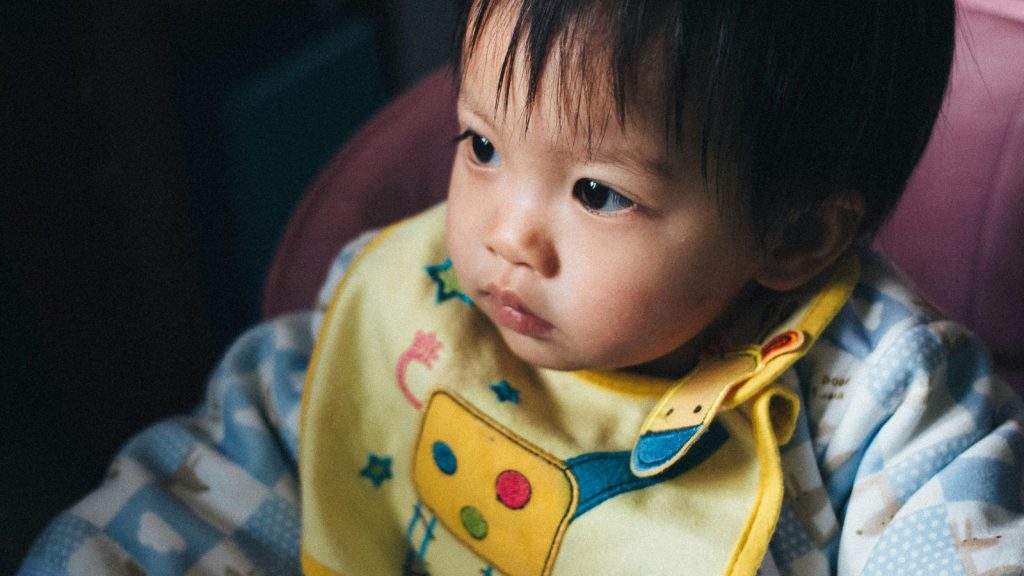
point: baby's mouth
(508, 311)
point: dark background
(150, 154)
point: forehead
(566, 77)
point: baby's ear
(796, 252)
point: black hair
(797, 101)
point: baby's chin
(552, 354)
(547, 353)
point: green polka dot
(474, 523)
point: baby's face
(596, 253)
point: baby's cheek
(622, 324)
(460, 249)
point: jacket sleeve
(212, 492)
(931, 447)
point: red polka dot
(513, 489)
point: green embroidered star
(377, 470)
(447, 284)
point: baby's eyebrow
(634, 159)
(470, 106)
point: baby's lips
(509, 311)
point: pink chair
(959, 232)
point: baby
(643, 335)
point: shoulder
(425, 228)
(887, 327)
(890, 367)
(341, 263)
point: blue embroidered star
(487, 571)
(505, 392)
(447, 284)
(377, 470)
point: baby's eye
(597, 197)
(483, 149)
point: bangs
(606, 51)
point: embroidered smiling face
(590, 244)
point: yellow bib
(428, 448)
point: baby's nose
(523, 239)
